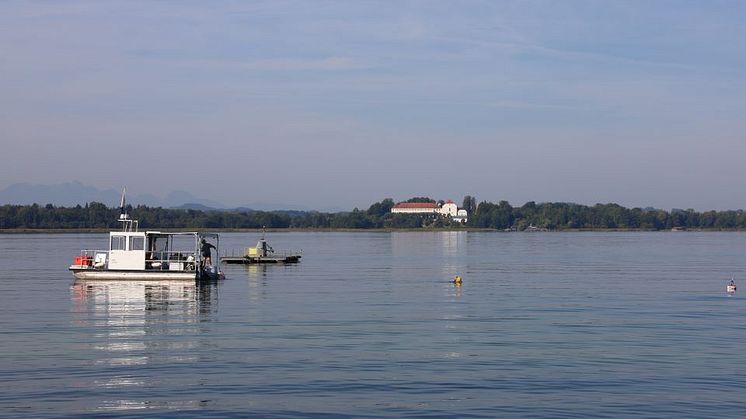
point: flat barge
(262, 253)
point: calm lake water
(368, 324)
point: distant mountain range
(74, 193)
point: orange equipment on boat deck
(83, 260)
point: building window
(137, 243)
(117, 242)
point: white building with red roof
(448, 209)
(416, 208)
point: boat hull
(122, 275)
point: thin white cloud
(294, 64)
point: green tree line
(501, 216)
(565, 216)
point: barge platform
(248, 260)
(262, 253)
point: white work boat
(149, 255)
(730, 288)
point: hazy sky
(344, 103)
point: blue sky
(339, 104)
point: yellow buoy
(457, 280)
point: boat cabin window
(137, 243)
(117, 242)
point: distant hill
(280, 208)
(200, 207)
(73, 193)
(193, 206)
(70, 194)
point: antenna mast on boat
(124, 218)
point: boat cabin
(153, 250)
(127, 250)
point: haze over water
(368, 324)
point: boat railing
(92, 252)
(177, 260)
(284, 253)
(92, 258)
(288, 253)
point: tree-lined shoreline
(554, 216)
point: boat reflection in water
(130, 330)
(256, 273)
(186, 297)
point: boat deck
(247, 260)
